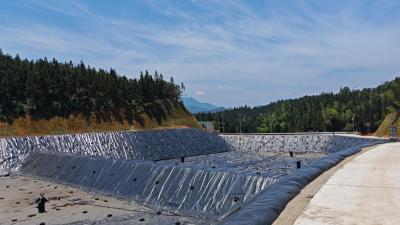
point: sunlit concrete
(365, 191)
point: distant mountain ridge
(195, 106)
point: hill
(392, 119)
(361, 110)
(45, 97)
(195, 106)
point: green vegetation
(363, 110)
(45, 90)
(392, 119)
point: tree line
(43, 89)
(348, 110)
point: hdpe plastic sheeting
(277, 143)
(211, 191)
(208, 194)
(143, 145)
(297, 143)
(267, 206)
(270, 164)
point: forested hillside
(361, 110)
(44, 90)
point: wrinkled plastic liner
(267, 206)
(239, 179)
(207, 194)
(142, 145)
(267, 164)
(305, 143)
(132, 219)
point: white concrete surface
(365, 191)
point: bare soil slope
(178, 117)
(390, 120)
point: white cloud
(272, 48)
(200, 93)
(224, 87)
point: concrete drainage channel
(228, 179)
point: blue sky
(227, 53)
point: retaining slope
(207, 194)
(303, 143)
(142, 145)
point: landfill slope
(209, 194)
(300, 143)
(233, 179)
(140, 145)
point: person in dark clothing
(41, 201)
